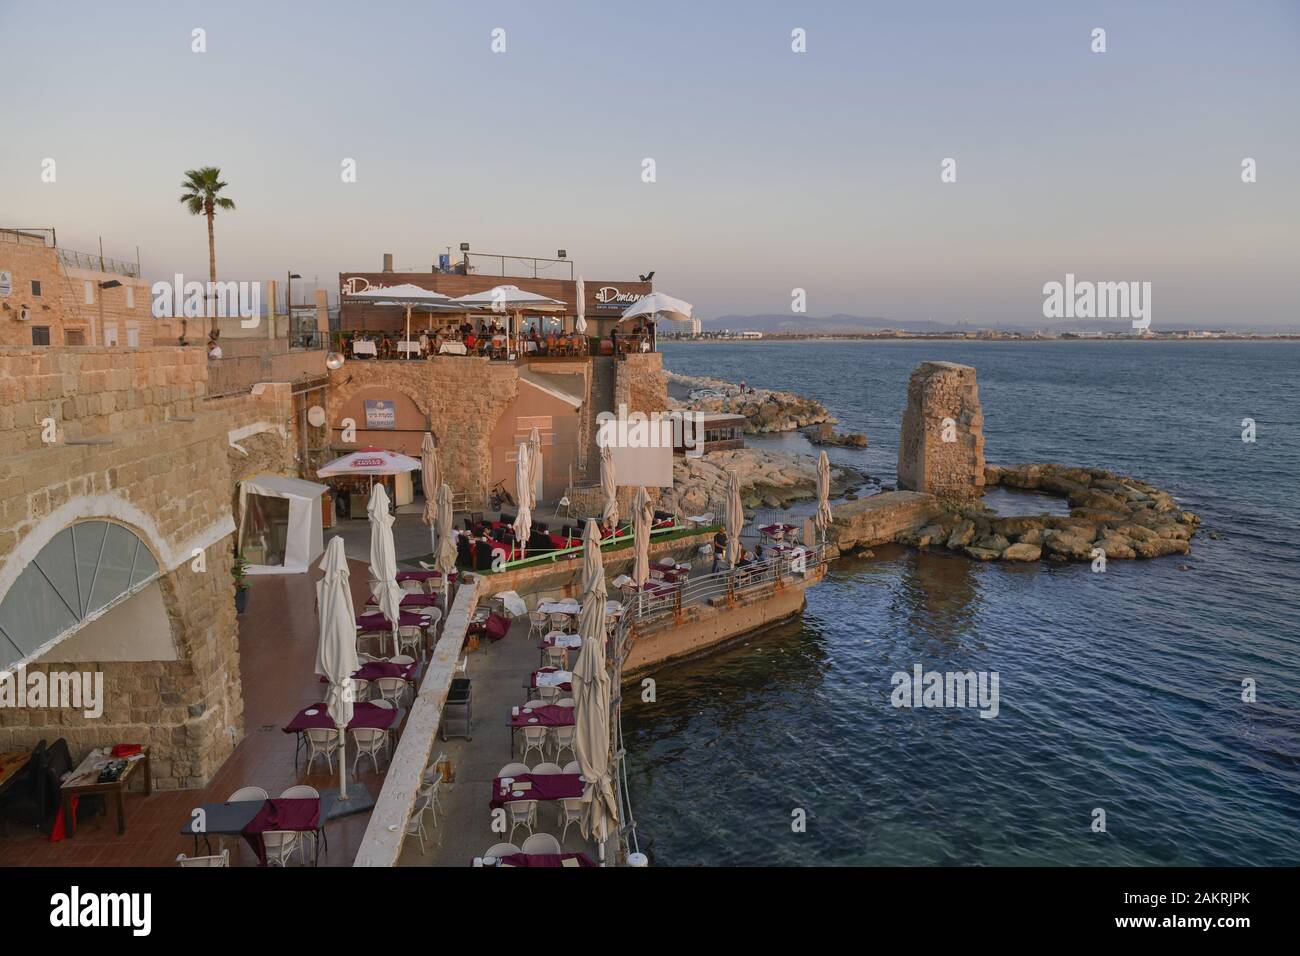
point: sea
(1147, 715)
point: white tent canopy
(507, 298)
(303, 536)
(659, 306)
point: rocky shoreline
(765, 410)
(768, 479)
(1113, 515)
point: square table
(230, 819)
(542, 786)
(545, 859)
(12, 763)
(85, 780)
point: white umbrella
(824, 516)
(336, 650)
(591, 697)
(735, 518)
(607, 484)
(430, 479)
(509, 298)
(369, 461)
(580, 325)
(642, 516)
(444, 551)
(383, 561)
(593, 569)
(409, 295)
(659, 306)
(524, 519)
(534, 464)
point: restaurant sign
(380, 413)
(610, 297)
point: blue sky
(775, 170)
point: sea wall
(880, 519)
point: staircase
(602, 400)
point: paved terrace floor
(277, 655)
(498, 672)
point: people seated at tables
(386, 347)
(471, 341)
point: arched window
(84, 569)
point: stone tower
(941, 448)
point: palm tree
(200, 198)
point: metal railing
(483, 263)
(98, 263)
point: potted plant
(239, 572)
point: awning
(304, 537)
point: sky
(774, 170)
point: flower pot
(241, 600)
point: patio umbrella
(444, 551)
(734, 518)
(591, 696)
(524, 519)
(383, 561)
(659, 306)
(409, 295)
(369, 461)
(593, 568)
(607, 485)
(824, 516)
(508, 299)
(641, 519)
(336, 649)
(534, 464)
(430, 480)
(580, 325)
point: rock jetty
(765, 410)
(768, 479)
(824, 433)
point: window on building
(132, 335)
(130, 297)
(74, 336)
(36, 287)
(90, 292)
(40, 335)
(110, 334)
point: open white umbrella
(591, 697)
(444, 550)
(658, 306)
(642, 516)
(430, 479)
(369, 461)
(824, 515)
(534, 464)
(336, 648)
(383, 561)
(408, 295)
(734, 518)
(609, 514)
(509, 299)
(524, 519)
(580, 325)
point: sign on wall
(381, 413)
(6, 284)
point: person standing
(719, 548)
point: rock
(1161, 547)
(1184, 567)
(1116, 547)
(1068, 546)
(1214, 536)
(992, 542)
(961, 535)
(1022, 552)
(982, 554)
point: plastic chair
(217, 859)
(523, 813)
(541, 843)
(321, 742)
(248, 793)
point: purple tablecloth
(532, 678)
(281, 814)
(377, 622)
(546, 786)
(373, 670)
(419, 600)
(546, 859)
(364, 715)
(548, 716)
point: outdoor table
(560, 639)
(11, 764)
(282, 813)
(230, 819)
(545, 859)
(544, 786)
(419, 600)
(777, 532)
(377, 621)
(410, 348)
(373, 670)
(364, 348)
(421, 576)
(551, 677)
(452, 348)
(365, 715)
(548, 716)
(559, 607)
(85, 780)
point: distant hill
(842, 323)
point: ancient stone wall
(641, 383)
(879, 519)
(941, 446)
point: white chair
(306, 838)
(368, 742)
(573, 767)
(564, 702)
(533, 704)
(562, 739)
(548, 695)
(523, 813)
(513, 770)
(498, 850)
(248, 793)
(547, 768)
(412, 586)
(570, 812)
(322, 742)
(541, 843)
(560, 622)
(535, 739)
(360, 689)
(401, 715)
(280, 846)
(556, 657)
(409, 637)
(434, 616)
(415, 825)
(392, 688)
(217, 859)
(537, 622)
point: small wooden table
(85, 780)
(11, 764)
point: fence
(98, 263)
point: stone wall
(880, 519)
(462, 397)
(641, 383)
(941, 447)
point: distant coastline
(958, 337)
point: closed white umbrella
(824, 516)
(383, 561)
(608, 486)
(734, 519)
(444, 550)
(591, 697)
(642, 516)
(523, 492)
(593, 568)
(336, 648)
(430, 479)
(580, 326)
(534, 464)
